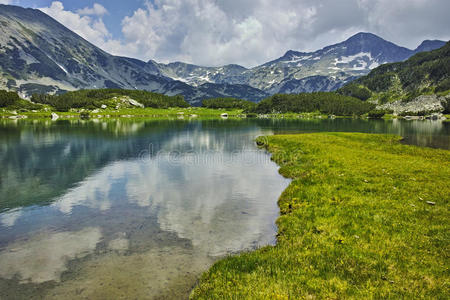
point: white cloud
(214, 32)
(6, 1)
(251, 32)
(90, 28)
(96, 10)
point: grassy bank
(148, 112)
(189, 112)
(364, 217)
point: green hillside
(422, 74)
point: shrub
(376, 114)
(443, 85)
(8, 98)
(356, 91)
(84, 115)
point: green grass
(157, 113)
(354, 224)
(190, 112)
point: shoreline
(187, 113)
(345, 228)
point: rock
(18, 117)
(14, 112)
(411, 117)
(95, 111)
(193, 116)
(424, 103)
(103, 106)
(54, 116)
(224, 115)
(431, 203)
(435, 117)
(180, 113)
(135, 103)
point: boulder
(54, 116)
(135, 103)
(103, 106)
(423, 103)
(435, 117)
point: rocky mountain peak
(429, 45)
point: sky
(245, 32)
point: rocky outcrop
(422, 104)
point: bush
(356, 91)
(84, 115)
(8, 98)
(376, 114)
(443, 86)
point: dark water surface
(139, 209)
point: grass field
(190, 112)
(365, 217)
(157, 113)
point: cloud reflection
(44, 256)
(223, 204)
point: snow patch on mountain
(348, 59)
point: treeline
(92, 99)
(324, 102)
(228, 103)
(11, 100)
(8, 98)
(356, 91)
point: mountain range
(40, 55)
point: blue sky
(245, 32)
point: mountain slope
(38, 54)
(426, 73)
(422, 73)
(323, 70)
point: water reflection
(44, 256)
(102, 209)
(150, 195)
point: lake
(121, 209)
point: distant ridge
(38, 54)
